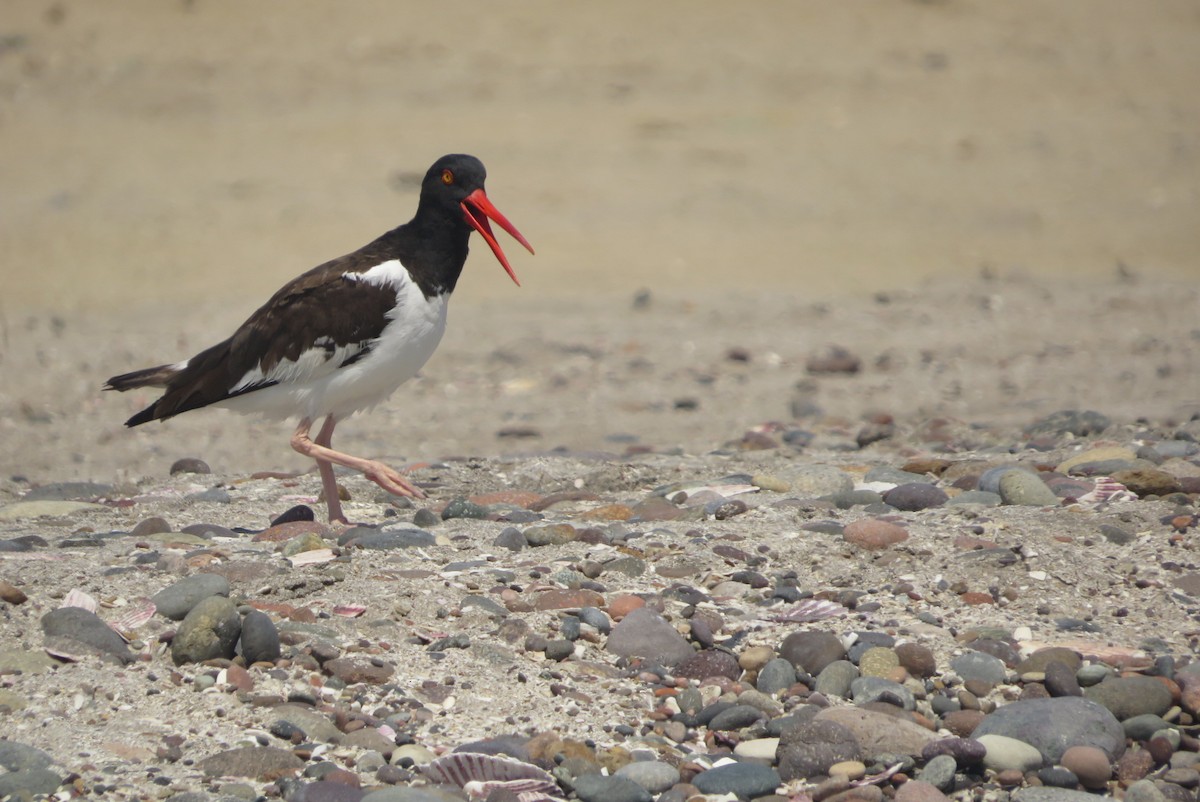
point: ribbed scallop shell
(489, 772)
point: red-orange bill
(477, 209)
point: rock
(921, 791)
(965, 751)
(835, 679)
(1147, 481)
(939, 772)
(816, 481)
(811, 747)
(645, 633)
(26, 783)
(1080, 423)
(1051, 725)
(916, 659)
(735, 718)
(389, 539)
(653, 775)
(979, 667)
(598, 788)
(877, 733)
(260, 638)
(1051, 795)
(1127, 697)
(1060, 680)
(1089, 764)
(1026, 489)
(811, 650)
(260, 762)
(865, 690)
(873, 534)
(353, 670)
(709, 663)
(743, 780)
(777, 675)
(915, 496)
(66, 626)
(210, 630)
(190, 465)
(177, 599)
(1004, 752)
(12, 594)
(758, 749)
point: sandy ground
(165, 166)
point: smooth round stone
(835, 679)
(551, 535)
(1133, 696)
(895, 476)
(865, 690)
(1092, 674)
(598, 788)
(811, 650)
(645, 633)
(1144, 791)
(878, 661)
(390, 539)
(1101, 454)
(917, 660)
(84, 627)
(811, 747)
(744, 780)
(1054, 723)
(850, 769)
(27, 783)
(210, 630)
(1061, 681)
(1089, 764)
(757, 749)
(965, 751)
(1058, 777)
(919, 791)
(939, 772)
(849, 499)
(776, 676)
(979, 667)
(873, 534)
(653, 775)
(1045, 794)
(412, 755)
(260, 638)
(1143, 727)
(1009, 753)
(596, 618)
(1026, 489)
(915, 496)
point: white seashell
(77, 598)
(460, 768)
(1106, 491)
(808, 611)
(314, 557)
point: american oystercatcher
(343, 336)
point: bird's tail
(147, 377)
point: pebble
(916, 659)
(1127, 697)
(1004, 752)
(811, 651)
(73, 629)
(939, 772)
(811, 747)
(920, 791)
(873, 534)
(259, 638)
(177, 599)
(11, 593)
(259, 762)
(645, 633)
(980, 667)
(757, 749)
(653, 775)
(598, 788)
(744, 780)
(24, 510)
(915, 496)
(878, 733)
(1025, 489)
(211, 629)
(866, 690)
(1089, 764)
(1052, 724)
(816, 481)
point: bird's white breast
(314, 385)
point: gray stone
(811, 650)
(389, 540)
(1052, 725)
(16, 756)
(260, 762)
(598, 788)
(645, 633)
(811, 747)
(865, 690)
(744, 780)
(315, 725)
(980, 667)
(735, 718)
(1005, 752)
(1026, 489)
(939, 772)
(260, 638)
(878, 733)
(1127, 697)
(981, 497)
(68, 491)
(653, 775)
(75, 625)
(23, 783)
(177, 599)
(814, 481)
(1051, 795)
(915, 496)
(776, 676)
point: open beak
(477, 209)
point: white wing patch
(315, 363)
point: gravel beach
(842, 443)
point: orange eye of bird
(447, 177)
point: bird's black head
(457, 181)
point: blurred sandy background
(162, 150)
(166, 165)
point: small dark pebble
(301, 512)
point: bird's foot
(391, 480)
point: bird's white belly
(402, 349)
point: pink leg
(320, 450)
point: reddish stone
(962, 722)
(239, 678)
(518, 498)
(608, 512)
(655, 508)
(972, 543)
(873, 534)
(975, 597)
(567, 598)
(621, 606)
(1134, 765)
